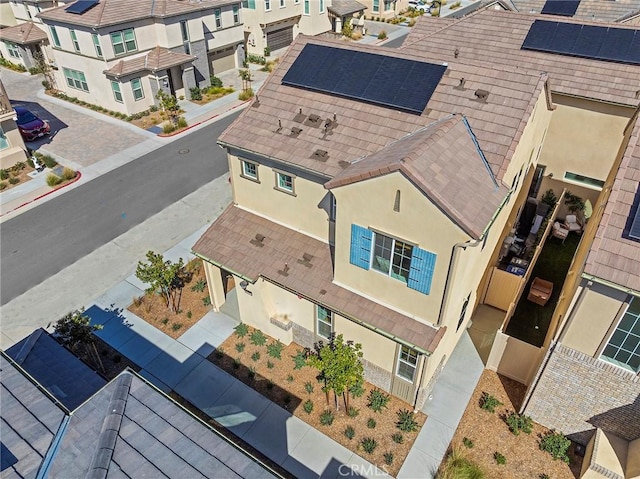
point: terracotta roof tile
(23, 34)
(228, 242)
(589, 10)
(153, 60)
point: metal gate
(502, 290)
(278, 39)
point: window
(184, 30)
(26, 9)
(96, 44)
(389, 5)
(251, 4)
(391, 257)
(13, 50)
(236, 14)
(54, 36)
(324, 322)
(321, 6)
(123, 41)
(284, 182)
(267, 5)
(623, 347)
(333, 207)
(136, 86)
(297, 2)
(74, 40)
(306, 7)
(376, 6)
(76, 79)
(463, 313)
(218, 15)
(584, 180)
(282, 5)
(407, 363)
(4, 143)
(117, 94)
(250, 170)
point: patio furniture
(559, 231)
(571, 223)
(540, 291)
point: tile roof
(345, 7)
(114, 12)
(157, 59)
(588, 10)
(30, 420)
(443, 161)
(614, 256)
(23, 34)
(228, 242)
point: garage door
(222, 60)
(278, 39)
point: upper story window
(251, 4)
(74, 40)
(282, 5)
(54, 36)
(267, 5)
(321, 6)
(4, 143)
(407, 363)
(123, 41)
(398, 259)
(284, 182)
(13, 50)
(249, 170)
(96, 44)
(26, 9)
(389, 5)
(218, 14)
(307, 7)
(76, 79)
(184, 30)
(582, 180)
(623, 347)
(236, 14)
(376, 6)
(324, 321)
(136, 87)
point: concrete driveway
(80, 137)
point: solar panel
(81, 6)
(634, 232)
(369, 77)
(565, 8)
(621, 45)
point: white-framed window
(250, 4)
(407, 363)
(117, 94)
(623, 347)
(76, 79)
(324, 321)
(321, 6)
(463, 312)
(123, 41)
(13, 50)
(282, 4)
(389, 5)
(376, 6)
(391, 257)
(74, 40)
(284, 182)
(184, 30)
(587, 182)
(26, 9)
(249, 170)
(136, 87)
(236, 14)
(4, 143)
(267, 5)
(307, 7)
(54, 36)
(218, 15)
(96, 44)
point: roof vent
(258, 240)
(256, 102)
(285, 270)
(295, 131)
(343, 164)
(481, 95)
(306, 260)
(300, 117)
(323, 292)
(456, 52)
(313, 120)
(279, 126)
(460, 85)
(320, 155)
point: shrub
(68, 174)
(199, 286)
(388, 458)
(275, 349)
(308, 406)
(397, 438)
(489, 402)
(326, 417)
(219, 353)
(215, 81)
(14, 180)
(46, 85)
(289, 378)
(255, 356)
(299, 360)
(270, 384)
(251, 372)
(544, 476)
(519, 423)
(377, 400)
(30, 163)
(206, 301)
(245, 94)
(457, 466)
(182, 123)
(168, 128)
(257, 338)
(241, 330)
(240, 347)
(369, 445)
(49, 162)
(556, 444)
(53, 180)
(308, 387)
(371, 423)
(196, 93)
(267, 51)
(270, 365)
(19, 166)
(257, 59)
(468, 443)
(500, 459)
(353, 411)
(189, 314)
(4, 174)
(3, 186)
(357, 390)
(176, 326)
(382, 35)
(236, 363)
(349, 432)
(165, 321)
(406, 421)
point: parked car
(419, 6)
(31, 127)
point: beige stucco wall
(377, 349)
(299, 212)
(16, 150)
(214, 284)
(513, 358)
(592, 316)
(584, 137)
(7, 17)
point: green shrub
(4, 174)
(357, 390)
(244, 95)
(30, 163)
(349, 432)
(308, 387)
(290, 378)
(49, 162)
(68, 174)
(14, 180)
(3, 186)
(256, 59)
(19, 166)
(257, 338)
(240, 347)
(353, 411)
(182, 123)
(206, 301)
(369, 445)
(165, 321)
(406, 421)
(196, 93)
(519, 423)
(500, 459)
(189, 314)
(215, 81)
(299, 360)
(241, 330)
(388, 458)
(468, 443)
(153, 108)
(255, 356)
(308, 406)
(377, 400)
(176, 326)
(251, 372)
(12, 66)
(326, 417)
(267, 51)
(382, 35)
(556, 444)
(270, 384)
(457, 466)
(371, 423)
(544, 476)
(236, 363)
(275, 349)
(489, 402)
(397, 438)
(53, 180)
(270, 365)
(199, 286)
(168, 128)
(219, 353)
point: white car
(419, 6)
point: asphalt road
(42, 241)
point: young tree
(339, 365)
(75, 329)
(169, 103)
(164, 276)
(44, 67)
(246, 77)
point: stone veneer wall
(577, 393)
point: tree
(75, 329)
(163, 276)
(246, 77)
(44, 67)
(169, 103)
(339, 365)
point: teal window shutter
(423, 263)
(360, 246)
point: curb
(163, 135)
(77, 178)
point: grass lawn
(552, 265)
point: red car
(31, 127)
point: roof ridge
(102, 5)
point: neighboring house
(276, 23)
(377, 205)
(124, 428)
(120, 53)
(12, 149)
(342, 12)
(7, 18)
(583, 10)
(23, 44)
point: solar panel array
(565, 8)
(81, 6)
(619, 45)
(382, 80)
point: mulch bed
(22, 175)
(490, 434)
(285, 386)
